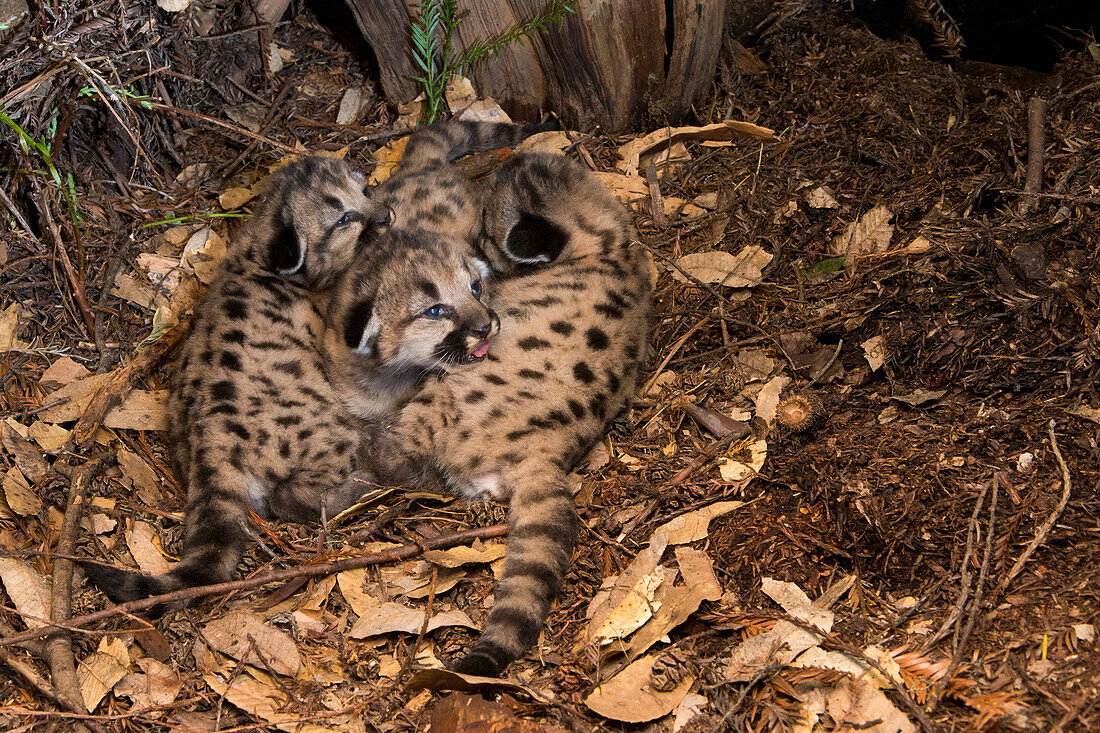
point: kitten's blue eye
(475, 288)
(436, 311)
(344, 220)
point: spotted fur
(253, 423)
(574, 305)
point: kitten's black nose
(483, 331)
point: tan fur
(253, 423)
(572, 340)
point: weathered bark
(609, 63)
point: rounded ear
(288, 251)
(534, 239)
(361, 327)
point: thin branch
(1041, 535)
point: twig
(276, 576)
(58, 649)
(829, 365)
(121, 382)
(672, 352)
(224, 125)
(32, 678)
(656, 201)
(10, 205)
(1036, 151)
(964, 576)
(75, 282)
(960, 648)
(1041, 535)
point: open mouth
(478, 353)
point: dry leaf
(461, 713)
(141, 410)
(157, 686)
(27, 457)
(133, 289)
(445, 679)
(1086, 412)
(767, 399)
(678, 602)
(234, 198)
(821, 198)
(780, 645)
(144, 545)
(19, 495)
(250, 115)
(352, 588)
(632, 152)
(628, 697)
(551, 141)
(51, 438)
(688, 708)
(795, 602)
(191, 175)
(625, 188)
(386, 160)
(203, 252)
(240, 634)
(629, 604)
(860, 705)
(919, 245)
(140, 475)
(9, 328)
(707, 201)
(870, 234)
(172, 6)
(919, 397)
(27, 589)
(874, 349)
(695, 525)
(733, 471)
(260, 700)
(458, 556)
(484, 110)
(459, 93)
(732, 271)
(390, 617)
(61, 372)
(101, 670)
(351, 104)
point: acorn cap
(799, 411)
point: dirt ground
(936, 363)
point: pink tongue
(481, 350)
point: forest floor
(942, 325)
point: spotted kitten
(574, 302)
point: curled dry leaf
(61, 372)
(445, 679)
(236, 197)
(262, 701)
(695, 525)
(461, 713)
(240, 634)
(626, 188)
(390, 617)
(628, 697)
(741, 270)
(9, 328)
(27, 589)
(688, 709)
(551, 141)
(821, 198)
(795, 602)
(27, 457)
(631, 152)
(101, 670)
(140, 476)
(353, 588)
(458, 556)
(629, 603)
(50, 438)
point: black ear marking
(286, 255)
(535, 239)
(358, 318)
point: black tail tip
(478, 664)
(122, 585)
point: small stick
(276, 576)
(224, 125)
(672, 352)
(656, 201)
(1036, 150)
(960, 649)
(121, 382)
(58, 649)
(74, 280)
(964, 576)
(1041, 535)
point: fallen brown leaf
(627, 696)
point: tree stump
(610, 63)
